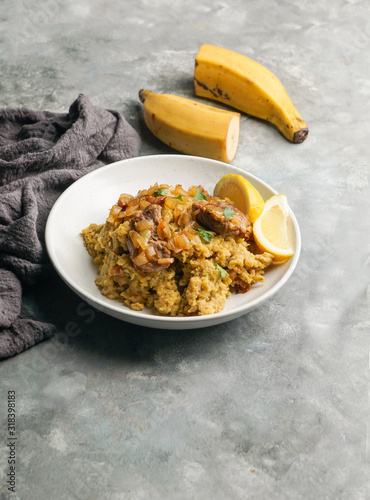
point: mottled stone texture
(273, 405)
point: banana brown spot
(204, 86)
(222, 93)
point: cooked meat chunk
(157, 255)
(153, 212)
(239, 285)
(160, 252)
(212, 216)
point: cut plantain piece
(244, 84)
(191, 127)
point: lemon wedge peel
(270, 230)
(242, 194)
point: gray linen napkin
(41, 154)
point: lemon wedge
(271, 229)
(242, 193)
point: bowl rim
(121, 309)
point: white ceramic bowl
(89, 200)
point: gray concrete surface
(274, 405)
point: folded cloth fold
(41, 154)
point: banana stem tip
(300, 135)
(142, 95)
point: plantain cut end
(232, 138)
(300, 135)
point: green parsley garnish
(160, 192)
(223, 272)
(179, 198)
(228, 213)
(200, 195)
(203, 233)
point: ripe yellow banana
(191, 127)
(244, 84)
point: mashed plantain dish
(181, 252)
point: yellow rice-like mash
(195, 283)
